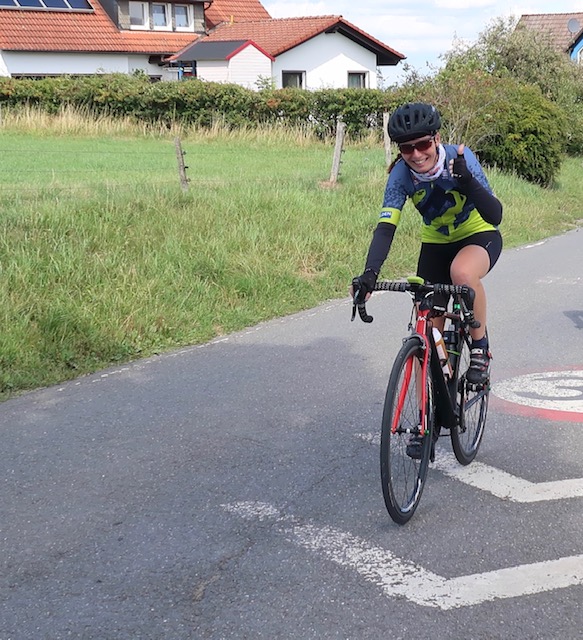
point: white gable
(326, 61)
(245, 68)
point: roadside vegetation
(104, 259)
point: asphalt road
(232, 490)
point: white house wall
(28, 63)
(246, 68)
(3, 66)
(213, 70)
(326, 60)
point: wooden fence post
(338, 149)
(181, 166)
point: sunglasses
(422, 145)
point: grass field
(103, 257)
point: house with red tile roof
(41, 38)
(311, 53)
(219, 40)
(564, 30)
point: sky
(422, 30)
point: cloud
(463, 4)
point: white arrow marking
(552, 390)
(500, 483)
(398, 577)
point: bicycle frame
(444, 388)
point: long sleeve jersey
(448, 214)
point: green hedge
(198, 102)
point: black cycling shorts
(435, 259)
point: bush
(529, 56)
(529, 139)
(508, 124)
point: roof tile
(276, 36)
(76, 31)
(556, 25)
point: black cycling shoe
(415, 446)
(479, 370)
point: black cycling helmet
(413, 120)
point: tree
(529, 56)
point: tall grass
(103, 258)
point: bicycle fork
(421, 393)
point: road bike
(428, 390)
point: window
(292, 79)
(357, 80)
(183, 17)
(139, 18)
(161, 16)
(158, 16)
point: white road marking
(571, 280)
(397, 577)
(497, 482)
(551, 390)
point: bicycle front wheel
(472, 400)
(403, 466)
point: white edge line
(397, 577)
(499, 483)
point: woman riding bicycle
(460, 240)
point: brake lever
(361, 309)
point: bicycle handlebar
(465, 293)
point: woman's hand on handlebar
(363, 285)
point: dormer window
(161, 17)
(139, 15)
(183, 17)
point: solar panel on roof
(47, 4)
(79, 4)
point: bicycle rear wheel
(403, 477)
(472, 401)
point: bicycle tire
(402, 477)
(466, 435)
